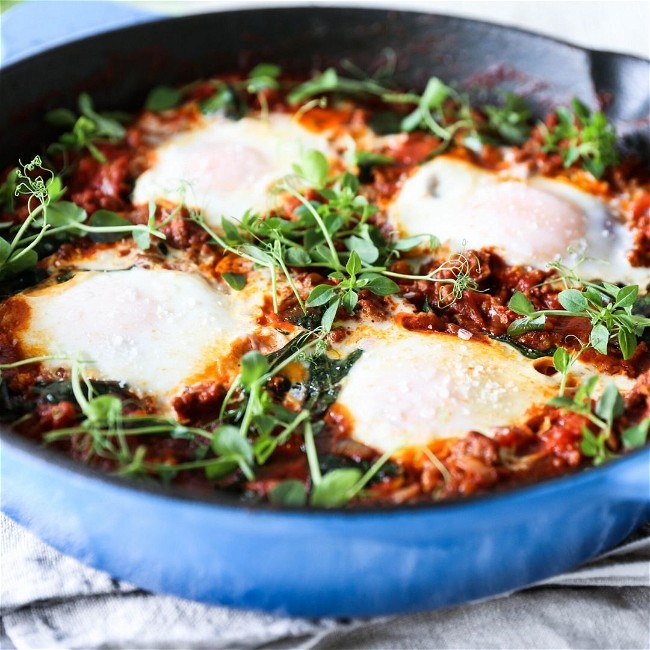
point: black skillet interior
(118, 67)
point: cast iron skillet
(308, 562)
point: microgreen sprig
(332, 234)
(608, 309)
(581, 134)
(89, 128)
(49, 216)
(601, 415)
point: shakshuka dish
(328, 291)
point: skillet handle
(55, 23)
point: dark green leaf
(107, 219)
(593, 296)
(372, 159)
(353, 265)
(258, 255)
(320, 295)
(5, 251)
(383, 286)
(219, 468)
(526, 324)
(350, 300)
(64, 213)
(599, 338)
(288, 493)
(627, 296)
(235, 280)
(330, 314)
(627, 342)
(230, 231)
(60, 117)
(17, 264)
(162, 98)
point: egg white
(225, 167)
(410, 388)
(157, 329)
(528, 221)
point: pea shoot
(608, 309)
(88, 128)
(601, 415)
(582, 135)
(50, 216)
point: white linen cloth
(48, 600)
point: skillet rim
(18, 443)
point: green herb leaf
(561, 360)
(320, 295)
(254, 366)
(512, 120)
(228, 441)
(627, 342)
(636, 436)
(626, 296)
(364, 248)
(350, 300)
(235, 281)
(572, 300)
(610, 405)
(107, 219)
(60, 117)
(526, 324)
(599, 338)
(520, 304)
(162, 98)
(583, 135)
(353, 265)
(105, 408)
(297, 257)
(65, 213)
(335, 488)
(382, 286)
(313, 168)
(330, 314)
(288, 493)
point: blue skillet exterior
(315, 563)
(326, 563)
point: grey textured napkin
(49, 600)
